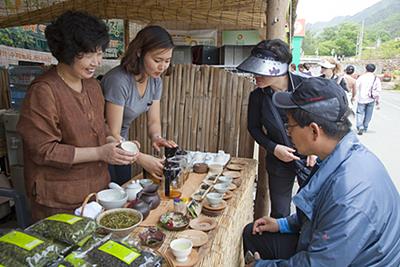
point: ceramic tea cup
(220, 157)
(145, 182)
(215, 168)
(214, 199)
(221, 188)
(130, 147)
(181, 248)
(225, 179)
(112, 198)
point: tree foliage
(343, 40)
(387, 50)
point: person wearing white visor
(331, 69)
(269, 62)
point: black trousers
(120, 174)
(271, 246)
(280, 191)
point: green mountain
(384, 16)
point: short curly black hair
(75, 33)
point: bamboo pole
(208, 109)
(238, 108)
(228, 113)
(196, 108)
(222, 111)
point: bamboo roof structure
(174, 14)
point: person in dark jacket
(346, 215)
(269, 62)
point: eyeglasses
(288, 126)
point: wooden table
(224, 246)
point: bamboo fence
(203, 108)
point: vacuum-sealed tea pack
(66, 228)
(119, 254)
(27, 250)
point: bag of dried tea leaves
(78, 257)
(66, 228)
(27, 249)
(119, 254)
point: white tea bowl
(225, 179)
(181, 248)
(214, 199)
(221, 188)
(130, 147)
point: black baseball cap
(319, 96)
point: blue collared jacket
(348, 213)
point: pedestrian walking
(368, 88)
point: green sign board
(296, 49)
(246, 37)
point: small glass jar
(179, 205)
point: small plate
(198, 238)
(212, 213)
(232, 186)
(174, 221)
(237, 182)
(193, 258)
(235, 167)
(221, 206)
(227, 195)
(239, 161)
(232, 174)
(152, 237)
(203, 224)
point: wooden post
(126, 34)
(276, 19)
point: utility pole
(360, 41)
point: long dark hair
(147, 39)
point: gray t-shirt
(119, 88)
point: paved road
(383, 136)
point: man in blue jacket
(348, 211)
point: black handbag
(301, 169)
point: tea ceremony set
(182, 221)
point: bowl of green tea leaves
(119, 221)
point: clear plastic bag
(27, 249)
(66, 228)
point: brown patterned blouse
(54, 120)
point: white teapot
(133, 189)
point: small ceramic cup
(130, 147)
(181, 248)
(215, 168)
(221, 188)
(225, 179)
(145, 182)
(214, 199)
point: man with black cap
(269, 62)
(348, 211)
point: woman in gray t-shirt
(135, 87)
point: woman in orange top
(67, 144)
